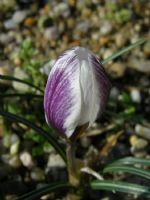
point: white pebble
(135, 95)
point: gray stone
(51, 33)
(26, 159)
(141, 65)
(106, 28)
(9, 24)
(135, 95)
(55, 160)
(15, 161)
(18, 73)
(142, 131)
(19, 16)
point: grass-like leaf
(48, 136)
(127, 169)
(24, 95)
(118, 186)
(11, 78)
(131, 161)
(124, 50)
(36, 194)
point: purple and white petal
(76, 91)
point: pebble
(10, 139)
(142, 131)
(138, 143)
(117, 69)
(55, 160)
(141, 65)
(20, 86)
(83, 26)
(15, 161)
(135, 95)
(51, 33)
(106, 28)
(26, 159)
(120, 40)
(9, 24)
(19, 16)
(6, 38)
(37, 174)
(61, 9)
(14, 148)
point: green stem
(72, 165)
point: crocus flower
(77, 91)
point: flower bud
(77, 91)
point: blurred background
(33, 33)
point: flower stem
(74, 178)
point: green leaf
(25, 95)
(48, 136)
(127, 169)
(36, 194)
(124, 50)
(11, 78)
(131, 161)
(118, 186)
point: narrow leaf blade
(49, 137)
(118, 186)
(36, 194)
(124, 50)
(24, 95)
(127, 169)
(11, 78)
(131, 161)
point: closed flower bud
(77, 91)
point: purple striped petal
(77, 90)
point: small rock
(117, 70)
(138, 143)
(26, 159)
(141, 65)
(120, 40)
(15, 162)
(61, 9)
(20, 86)
(106, 28)
(55, 161)
(9, 24)
(10, 139)
(38, 174)
(14, 148)
(135, 95)
(142, 131)
(19, 16)
(6, 38)
(83, 26)
(51, 33)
